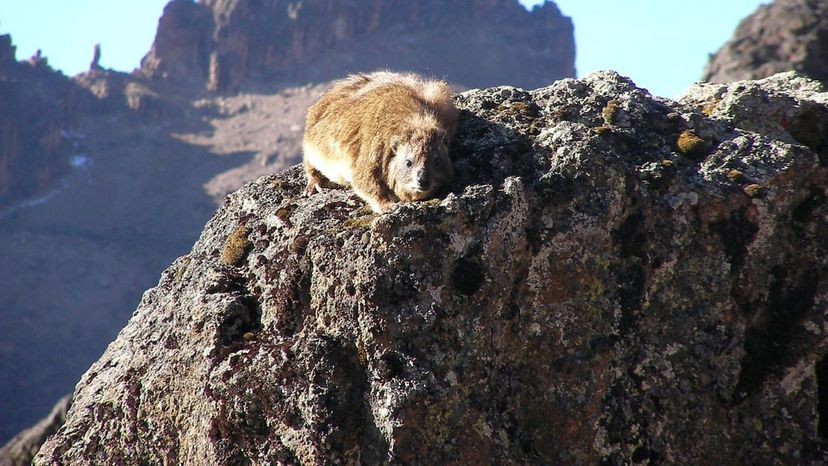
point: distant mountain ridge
(225, 43)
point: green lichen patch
(430, 203)
(690, 144)
(236, 246)
(361, 218)
(359, 222)
(610, 112)
(364, 210)
(601, 130)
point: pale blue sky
(661, 44)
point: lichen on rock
(575, 298)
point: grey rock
(596, 287)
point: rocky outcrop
(782, 36)
(613, 278)
(21, 450)
(37, 103)
(226, 44)
(94, 218)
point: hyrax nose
(422, 179)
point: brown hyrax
(384, 134)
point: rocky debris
(585, 293)
(226, 44)
(21, 450)
(785, 35)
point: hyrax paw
(312, 187)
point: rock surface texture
(782, 36)
(98, 194)
(228, 43)
(613, 279)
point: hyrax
(384, 134)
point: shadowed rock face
(480, 43)
(612, 279)
(782, 36)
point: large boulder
(613, 278)
(785, 35)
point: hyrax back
(384, 134)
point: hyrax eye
(409, 163)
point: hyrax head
(420, 165)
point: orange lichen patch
(236, 246)
(666, 163)
(690, 144)
(610, 112)
(735, 175)
(753, 190)
(599, 130)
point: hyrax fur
(386, 135)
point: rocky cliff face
(36, 104)
(784, 35)
(226, 43)
(613, 278)
(156, 153)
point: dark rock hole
(467, 277)
(391, 366)
(765, 341)
(349, 288)
(243, 316)
(803, 212)
(736, 234)
(631, 237)
(646, 455)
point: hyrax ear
(394, 143)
